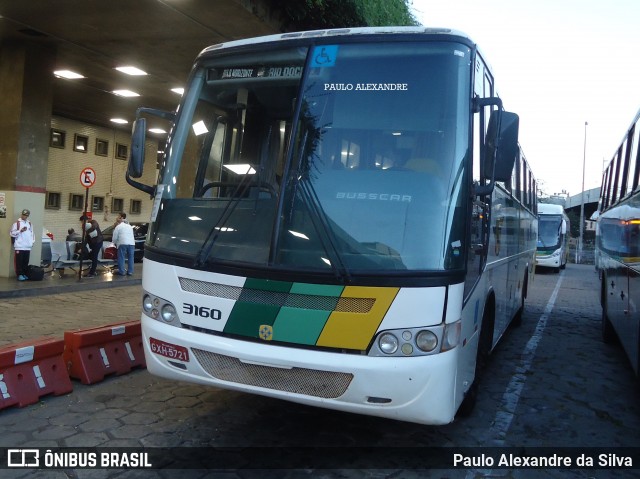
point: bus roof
(337, 32)
(550, 209)
(621, 212)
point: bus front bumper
(417, 389)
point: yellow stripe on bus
(355, 330)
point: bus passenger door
(476, 256)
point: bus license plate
(169, 350)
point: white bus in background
(553, 237)
(342, 219)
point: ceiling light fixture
(179, 91)
(131, 71)
(125, 93)
(200, 128)
(121, 121)
(68, 74)
(241, 168)
(157, 130)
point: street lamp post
(584, 158)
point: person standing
(94, 239)
(124, 240)
(23, 238)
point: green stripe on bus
(294, 325)
(299, 326)
(247, 318)
(317, 289)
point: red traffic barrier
(91, 354)
(32, 369)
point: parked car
(139, 234)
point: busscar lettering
(343, 195)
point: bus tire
(482, 357)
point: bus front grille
(278, 298)
(310, 382)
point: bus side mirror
(563, 229)
(138, 138)
(501, 144)
(136, 160)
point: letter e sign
(87, 177)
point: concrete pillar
(26, 98)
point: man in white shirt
(124, 239)
(23, 238)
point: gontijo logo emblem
(266, 332)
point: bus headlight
(412, 342)
(147, 303)
(168, 313)
(388, 343)
(159, 309)
(426, 340)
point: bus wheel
(482, 357)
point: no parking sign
(87, 177)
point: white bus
(553, 237)
(342, 219)
(618, 246)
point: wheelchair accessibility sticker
(324, 56)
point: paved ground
(551, 383)
(51, 315)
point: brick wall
(65, 165)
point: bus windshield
(344, 158)
(549, 231)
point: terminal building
(68, 97)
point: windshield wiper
(212, 237)
(318, 216)
(321, 224)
